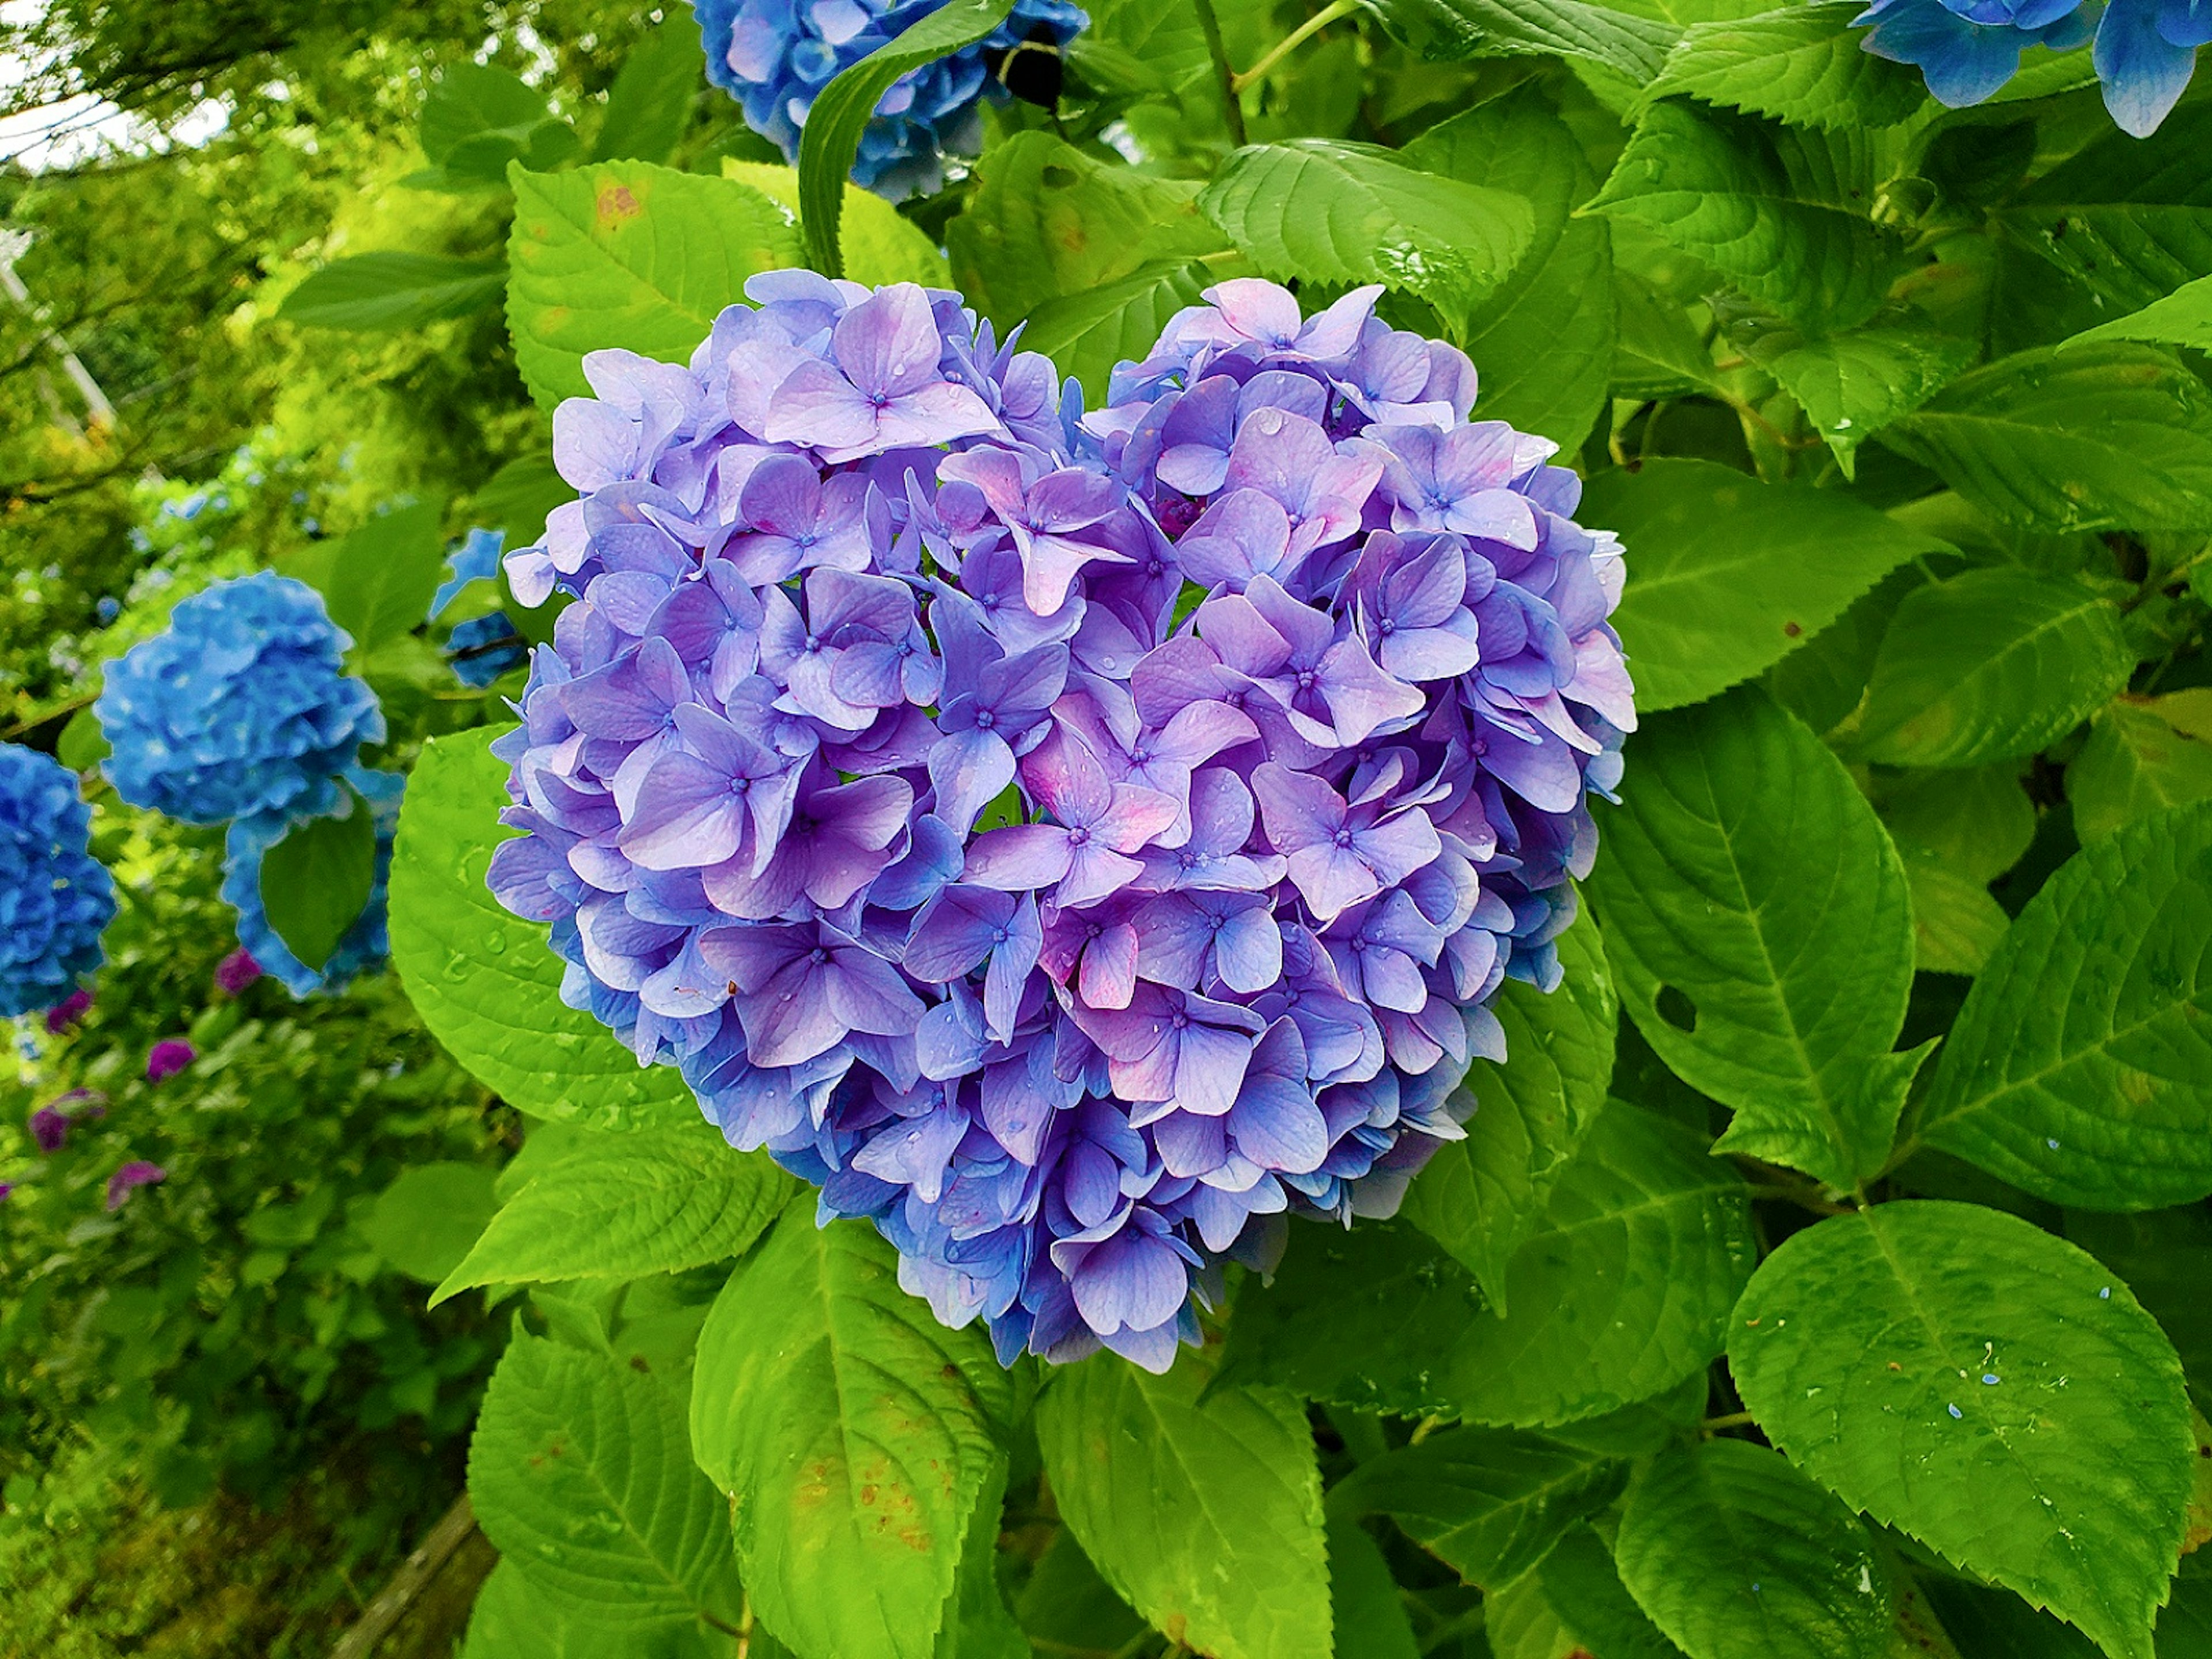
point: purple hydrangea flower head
(168, 1057)
(129, 1178)
(55, 898)
(1074, 928)
(365, 944)
(236, 971)
(240, 709)
(776, 56)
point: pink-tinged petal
(1202, 731)
(1066, 780)
(867, 994)
(758, 372)
(1094, 873)
(1021, 857)
(818, 406)
(1137, 816)
(1601, 681)
(1108, 978)
(935, 415)
(1240, 636)
(789, 1020)
(1258, 310)
(1301, 811)
(1361, 697)
(594, 444)
(1496, 516)
(1149, 1077)
(1333, 332)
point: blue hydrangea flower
(475, 560)
(365, 944)
(55, 898)
(240, 708)
(2145, 54)
(882, 780)
(777, 55)
(483, 648)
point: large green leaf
(1488, 1503)
(316, 881)
(2103, 436)
(1803, 64)
(1851, 385)
(1544, 337)
(581, 1473)
(479, 118)
(842, 110)
(1088, 335)
(854, 1435)
(2182, 318)
(1620, 1296)
(1778, 209)
(1995, 663)
(1957, 1373)
(2080, 1066)
(649, 105)
(2166, 1257)
(1760, 934)
(1630, 46)
(881, 243)
(513, 1619)
(1957, 832)
(376, 292)
(1728, 575)
(1577, 1589)
(380, 580)
(426, 1219)
(1326, 212)
(2143, 756)
(1367, 1610)
(1736, 1555)
(487, 982)
(627, 254)
(1200, 1505)
(625, 1208)
(1480, 1198)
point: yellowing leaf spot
(616, 205)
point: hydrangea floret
(365, 945)
(55, 898)
(241, 707)
(129, 1178)
(168, 1057)
(1073, 844)
(776, 56)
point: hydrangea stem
(1290, 42)
(1232, 107)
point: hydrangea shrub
(55, 898)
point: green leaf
(1620, 1296)
(83, 746)
(1488, 1503)
(384, 292)
(1760, 934)
(381, 580)
(1957, 923)
(2080, 1066)
(854, 1435)
(842, 110)
(1200, 1505)
(486, 982)
(1088, 335)
(1367, 1611)
(1735, 1555)
(1329, 212)
(2166, 1257)
(1957, 832)
(2182, 318)
(1048, 222)
(625, 1208)
(1728, 575)
(479, 118)
(1633, 46)
(425, 1221)
(512, 1620)
(978, 1624)
(1803, 65)
(2108, 436)
(2143, 755)
(1580, 1583)
(579, 1472)
(1851, 385)
(649, 105)
(1995, 663)
(1545, 337)
(1480, 1198)
(1066, 1604)
(1863, 1347)
(627, 254)
(316, 882)
(881, 243)
(1777, 210)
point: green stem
(1732, 1420)
(1290, 42)
(1232, 109)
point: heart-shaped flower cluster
(55, 898)
(1072, 844)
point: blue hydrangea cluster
(240, 708)
(1072, 844)
(365, 944)
(55, 898)
(776, 56)
(2145, 51)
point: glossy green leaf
(1778, 209)
(625, 1208)
(1367, 1611)
(1580, 1581)
(842, 110)
(1621, 1295)
(1728, 575)
(2166, 1257)
(2080, 1066)
(2182, 318)
(649, 105)
(1955, 1373)
(627, 254)
(1851, 385)
(1202, 1506)
(1757, 919)
(1326, 212)
(316, 881)
(1736, 1555)
(2143, 756)
(389, 291)
(1631, 45)
(1480, 1198)
(854, 1435)
(2103, 436)
(1804, 64)
(978, 1624)
(513, 1619)
(426, 1221)
(487, 982)
(881, 243)
(1993, 664)
(380, 580)
(1488, 1503)
(1087, 335)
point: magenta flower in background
(49, 1129)
(236, 971)
(50, 1125)
(70, 1010)
(129, 1178)
(168, 1057)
